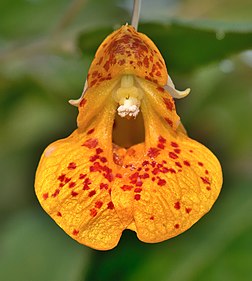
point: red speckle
(91, 193)
(138, 190)
(153, 178)
(161, 182)
(152, 218)
(191, 151)
(168, 103)
(145, 163)
(118, 175)
(161, 146)
(169, 121)
(86, 184)
(99, 150)
(208, 188)
(72, 184)
(104, 159)
(137, 197)
(206, 172)
(90, 143)
(205, 180)
(104, 186)
(187, 163)
(74, 194)
(83, 102)
(173, 155)
(82, 176)
(45, 196)
(160, 89)
(200, 164)
(90, 131)
(139, 183)
(145, 176)
(121, 62)
(161, 139)
(59, 214)
(176, 225)
(93, 212)
(75, 232)
(98, 204)
(178, 164)
(110, 205)
(67, 180)
(177, 205)
(126, 187)
(94, 158)
(177, 150)
(174, 144)
(146, 62)
(71, 166)
(188, 210)
(56, 192)
(153, 152)
(62, 177)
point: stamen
(129, 97)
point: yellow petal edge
(159, 188)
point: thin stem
(136, 13)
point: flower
(157, 186)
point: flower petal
(127, 51)
(75, 175)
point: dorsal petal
(75, 176)
(127, 51)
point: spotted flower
(129, 164)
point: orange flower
(154, 180)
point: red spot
(110, 205)
(160, 89)
(152, 218)
(153, 152)
(90, 143)
(139, 183)
(137, 197)
(205, 180)
(174, 144)
(56, 192)
(106, 66)
(104, 186)
(82, 176)
(177, 150)
(45, 196)
(158, 73)
(145, 176)
(169, 121)
(93, 212)
(74, 194)
(121, 62)
(99, 150)
(178, 164)
(191, 151)
(59, 214)
(206, 172)
(161, 182)
(83, 102)
(94, 158)
(138, 190)
(153, 178)
(187, 163)
(188, 210)
(72, 184)
(91, 193)
(93, 82)
(86, 184)
(62, 177)
(146, 62)
(161, 146)
(75, 232)
(145, 163)
(126, 187)
(90, 131)
(98, 204)
(168, 103)
(104, 159)
(71, 166)
(176, 225)
(118, 175)
(200, 164)
(173, 155)
(177, 205)
(208, 188)
(161, 139)
(67, 180)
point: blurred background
(45, 51)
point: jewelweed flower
(157, 186)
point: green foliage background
(45, 51)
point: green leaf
(33, 248)
(185, 46)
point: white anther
(129, 97)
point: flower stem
(136, 13)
